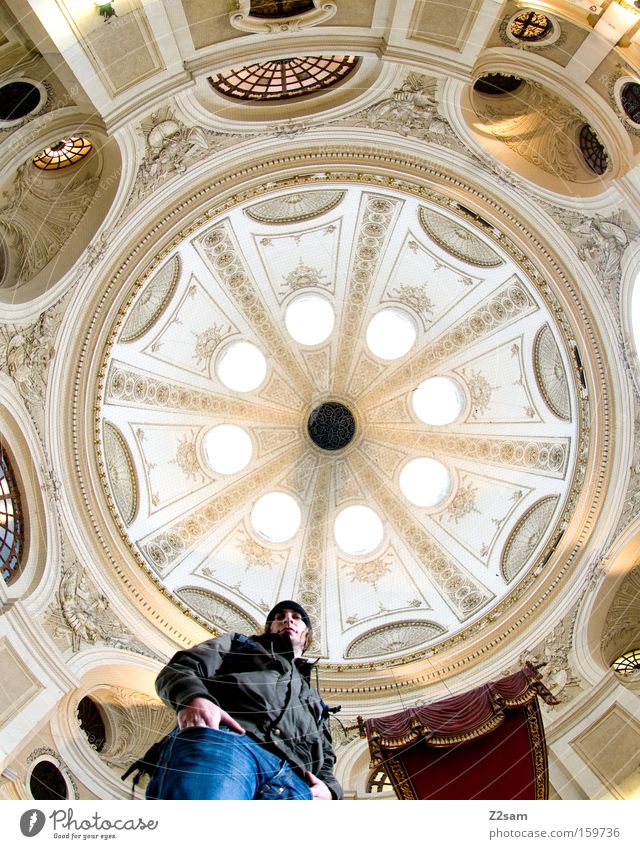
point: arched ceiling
(480, 320)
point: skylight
(438, 401)
(242, 367)
(358, 530)
(227, 449)
(425, 482)
(309, 319)
(276, 516)
(391, 333)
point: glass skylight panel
(391, 333)
(227, 449)
(425, 482)
(309, 319)
(242, 367)
(358, 530)
(276, 517)
(438, 401)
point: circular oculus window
(358, 530)
(242, 367)
(276, 517)
(391, 334)
(438, 401)
(227, 449)
(19, 98)
(309, 319)
(425, 482)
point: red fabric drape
(487, 743)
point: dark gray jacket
(262, 686)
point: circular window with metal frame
(531, 26)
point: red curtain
(487, 743)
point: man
(250, 725)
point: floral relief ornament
(370, 572)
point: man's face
(290, 622)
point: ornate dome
(469, 307)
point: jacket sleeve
(190, 672)
(325, 773)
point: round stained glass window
(593, 150)
(627, 662)
(282, 79)
(62, 153)
(630, 99)
(531, 26)
(11, 522)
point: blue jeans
(210, 763)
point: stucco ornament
(284, 17)
(84, 613)
(554, 653)
(38, 219)
(25, 354)
(171, 148)
(601, 243)
(411, 110)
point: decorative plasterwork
(458, 240)
(390, 639)
(553, 652)
(134, 722)
(25, 354)
(601, 243)
(232, 259)
(82, 614)
(539, 126)
(121, 472)
(291, 209)
(412, 110)
(171, 148)
(152, 301)
(527, 536)
(550, 373)
(288, 21)
(220, 612)
(40, 219)
(621, 631)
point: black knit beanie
(289, 605)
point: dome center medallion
(331, 426)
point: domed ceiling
(310, 323)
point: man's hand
(204, 712)
(319, 789)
